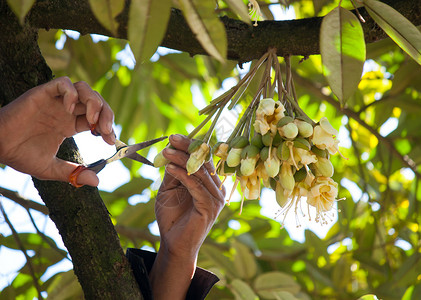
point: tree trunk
(79, 214)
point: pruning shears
(123, 150)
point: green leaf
(239, 8)
(63, 286)
(244, 261)
(272, 282)
(209, 30)
(399, 28)
(106, 12)
(342, 48)
(242, 290)
(148, 21)
(21, 8)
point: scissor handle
(75, 174)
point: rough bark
(79, 214)
(245, 43)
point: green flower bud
(324, 167)
(288, 131)
(248, 166)
(277, 139)
(220, 150)
(239, 142)
(197, 158)
(284, 121)
(264, 153)
(194, 145)
(302, 143)
(305, 129)
(250, 151)
(281, 196)
(160, 160)
(234, 157)
(286, 178)
(300, 175)
(272, 164)
(319, 152)
(283, 152)
(256, 140)
(267, 139)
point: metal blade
(137, 157)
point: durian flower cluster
(289, 155)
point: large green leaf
(270, 283)
(239, 8)
(209, 31)
(342, 48)
(21, 8)
(399, 28)
(244, 261)
(106, 13)
(148, 21)
(242, 290)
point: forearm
(171, 277)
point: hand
(33, 127)
(186, 208)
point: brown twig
(26, 203)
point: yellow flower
(324, 136)
(268, 114)
(248, 165)
(197, 158)
(250, 186)
(322, 195)
(272, 164)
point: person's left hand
(33, 126)
(186, 208)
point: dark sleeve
(142, 261)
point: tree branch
(245, 43)
(28, 204)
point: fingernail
(96, 117)
(72, 107)
(176, 137)
(110, 127)
(170, 151)
(170, 166)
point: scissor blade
(127, 151)
(137, 157)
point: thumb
(63, 169)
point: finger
(80, 109)
(180, 158)
(91, 99)
(198, 190)
(211, 170)
(62, 169)
(169, 182)
(106, 118)
(180, 142)
(63, 87)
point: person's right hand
(33, 126)
(186, 208)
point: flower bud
(288, 131)
(248, 166)
(286, 178)
(324, 167)
(234, 157)
(285, 120)
(221, 150)
(194, 145)
(281, 197)
(305, 129)
(256, 140)
(197, 158)
(239, 142)
(250, 151)
(160, 160)
(272, 164)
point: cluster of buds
(289, 155)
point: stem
(215, 120)
(200, 126)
